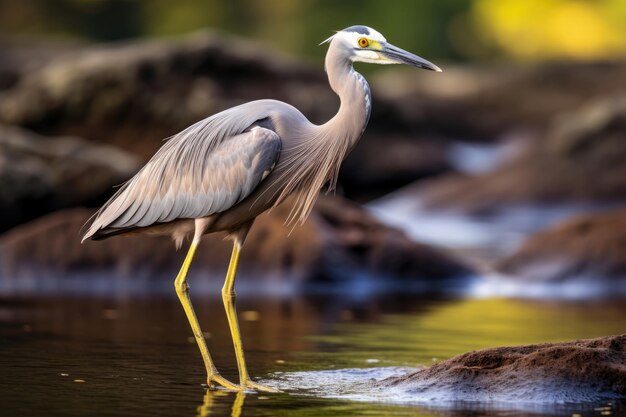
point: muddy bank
(577, 371)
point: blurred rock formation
(340, 242)
(79, 119)
(42, 174)
(134, 94)
(588, 248)
(579, 159)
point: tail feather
(106, 233)
(108, 213)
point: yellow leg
(182, 290)
(228, 296)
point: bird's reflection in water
(213, 398)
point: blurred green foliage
(451, 29)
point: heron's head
(364, 44)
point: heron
(222, 172)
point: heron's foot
(215, 380)
(251, 385)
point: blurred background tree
(458, 30)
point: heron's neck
(354, 92)
(315, 157)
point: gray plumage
(232, 166)
(222, 172)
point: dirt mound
(577, 371)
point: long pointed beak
(400, 56)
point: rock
(380, 163)
(22, 56)
(486, 103)
(579, 161)
(135, 93)
(41, 174)
(492, 105)
(338, 243)
(576, 371)
(590, 248)
(148, 90)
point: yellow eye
(363, 42)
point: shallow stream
(116, 355)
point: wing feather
(205, 169)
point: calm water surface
(134, 356)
